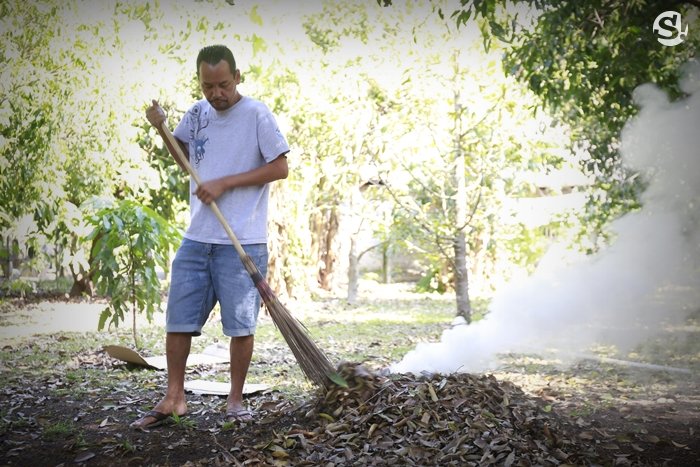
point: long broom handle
(214, 207)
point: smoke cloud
(646, 279)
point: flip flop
(159, 417)
(240, 415)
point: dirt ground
(663, 431)
(78, 414)
(636, 416)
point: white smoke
(647, 278)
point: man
(235, 145)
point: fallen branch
(227, 455)
(646, 366)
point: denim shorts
(204, 274)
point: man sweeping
(234, 144)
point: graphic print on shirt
(198, 120)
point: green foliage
(17, 287)
(484, 140)
(65, 120)
(355, 94)
(24, 155)
(53, 129)
(183, 422)
(341, 20)
(65, 227)
(131, 243)
(169, 198)
(27, 125)
(584, 59)
(434, 280)
(410, 132)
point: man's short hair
(213, 54)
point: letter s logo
(669, 28)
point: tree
(396, 124)
(367, 206)
(584, 59)
(129, 243)
(348, 92)
(27, 126)
(71, 111)
(64, 138)
(468, 131)
(324, 128)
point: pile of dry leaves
(459, 419)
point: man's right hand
(155, 114)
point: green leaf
(255, 16)
(106, 313)
(498, 30)
(338, 379)
(259, 44)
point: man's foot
(160, 414)
(150, 419)
(238, 415)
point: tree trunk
(82, 284)
(134, 303)
(58, 254)
(327, 252)
(464, 307)
(460, 243)
(133, 328)
(353, 271)
(280, 276)
(82, 280)
(386, 264)
(7, 265)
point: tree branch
(367, 250)
(475, 205)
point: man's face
(219, 84)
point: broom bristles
(311, 359)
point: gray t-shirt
(237, 140)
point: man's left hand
(210, 191)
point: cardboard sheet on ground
(210, 355)
(201, 386)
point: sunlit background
(408, 137)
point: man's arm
(156, 117)
(275, 170)
(172, 150)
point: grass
(184, 423)
(389, 321)
(59, 430)
(127, 447)
(378, 331)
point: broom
(311, 359)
